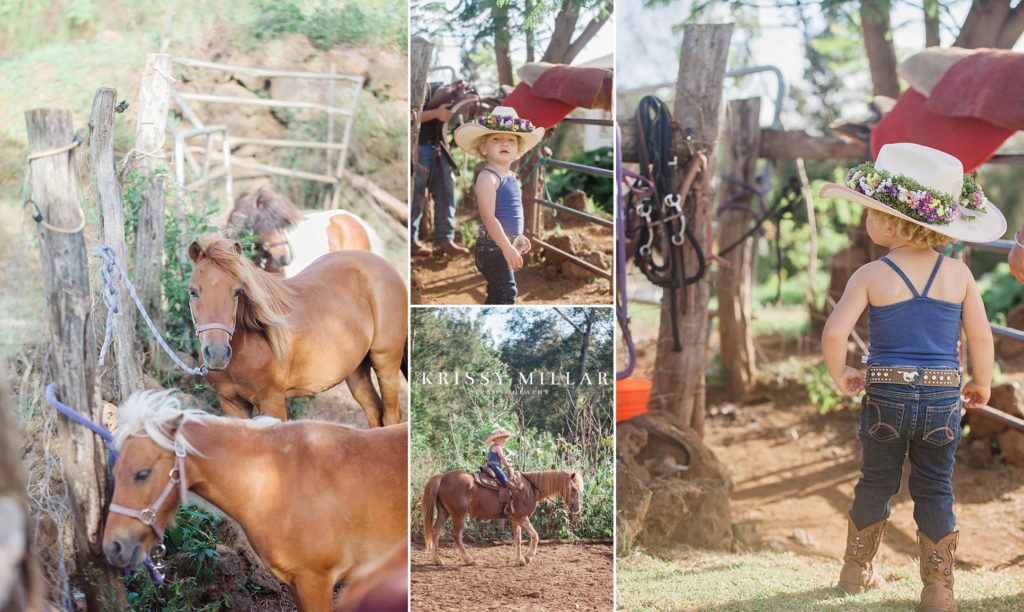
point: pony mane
(265, 300)
(263, 210)
(160, 415)
(555, 482)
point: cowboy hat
(924, 186)
(500, 432)
(502, 120)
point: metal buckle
(147, 516)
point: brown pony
(290, 240)
(457, 494)
(265, 339)
(317, 501)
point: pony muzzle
(124, 552)
(217, 356)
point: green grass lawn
(701, 580)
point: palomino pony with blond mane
(265, 339)
(289, 239)
(317, 501)
(457, 494)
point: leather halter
(201, 327)
(176, 477)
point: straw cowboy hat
(924, 186)
(498, 433)
(503, 120)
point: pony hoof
(470, 561)
(522, 561)
(529, 560)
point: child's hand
(850, 382)
(975, 395)
(512, 258)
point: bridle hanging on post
(660, 221)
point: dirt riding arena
(455, 280)
(563, 576)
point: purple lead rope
(643, 189)
(108, 443)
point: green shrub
(380, 23)
(598, 189)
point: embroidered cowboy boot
(937, 560)
(858, 573)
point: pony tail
(430, 508)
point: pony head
(146, 475)
(227, 291)
(268, 214)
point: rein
(660, 218)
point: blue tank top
(508, 204)
(921, 331)
(493, 456)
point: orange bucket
(631, 395)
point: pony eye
(142, 475)
(192, 292)
(237, 293)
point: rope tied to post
(111, 273)
(37, 214)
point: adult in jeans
(434, 172)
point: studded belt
(926, 377)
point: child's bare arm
(486, 190)
(836, 335)
(979, 344)
(501, 453)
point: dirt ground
(563, 576)
(455, 280)
(794, 471)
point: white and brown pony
(289, 240)
(457, 494)
(317, 501)
(265, 339)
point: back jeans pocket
(942, 423)
(881, 419)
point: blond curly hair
(916, 234)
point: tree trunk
(73, 348)
(531, 38)
(679, 385)
(741, 143)
(562, 49)
(108, 198)
(154, 99)
(991, 23)
(931, 23)
(874, 19)
(502, 40)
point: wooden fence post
(54, 190)
(154, 100)
(107, 188)
(679, 385)
(741, 145)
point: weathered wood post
(107, 188)
(421, 52)
(54, 190)
(679, 385)
(741, 145)
(154, 100)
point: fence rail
(573, 211)
(602, 172)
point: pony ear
(194, 251)
(237, 247)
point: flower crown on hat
(504, 123)
(913, 199)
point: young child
(500, 139)
(917, 300)
(496, 461)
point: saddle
(486, 479)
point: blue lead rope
(108, 443)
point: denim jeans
(901, 419)
(490, 261)
(433, 172)
(498, 473)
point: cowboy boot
(937, 560)
(858, 573)
(450, 249)
(418, 250)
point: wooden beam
(108, 199)
(775, 144)
(679, 376)
(72, 346)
